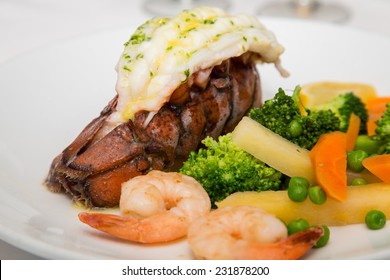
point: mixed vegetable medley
(310, 162)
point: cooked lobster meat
(162, 112)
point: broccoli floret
(222, 169)
(343, 106)
(315, 124)
(383, 125)
(277, 113)
(383, 131)
(282, 115)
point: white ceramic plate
(49, 95)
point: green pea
(324, 238)
(298, 189)
(375, 219)
(297, 226)
(317, 195)
(367, 144)
(359, 182)
(295, 128)
(354, 160)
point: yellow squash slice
(360, 200)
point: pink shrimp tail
(122, 227)
(133, 229)
(299, 243)
(291, 248)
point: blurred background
(26, 25)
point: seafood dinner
(179, 80)
(156, 207)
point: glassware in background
(172, 7)
(306, 9)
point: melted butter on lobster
(179, 80)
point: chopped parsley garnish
(187, 73)
(209, 21)
(126, 68)
(137, 38)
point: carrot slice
(375, 109)
(371, 126)
(379, 166)
(329, 159)
(352, 131)
(378, 103)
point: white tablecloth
(29, 24)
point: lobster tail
(211, 102)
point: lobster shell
(210, 103)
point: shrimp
(245, 232)
(157, 207)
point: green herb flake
(137, 38)
(187, 73)
(209, 21)
(127, 57)
(126, 68)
